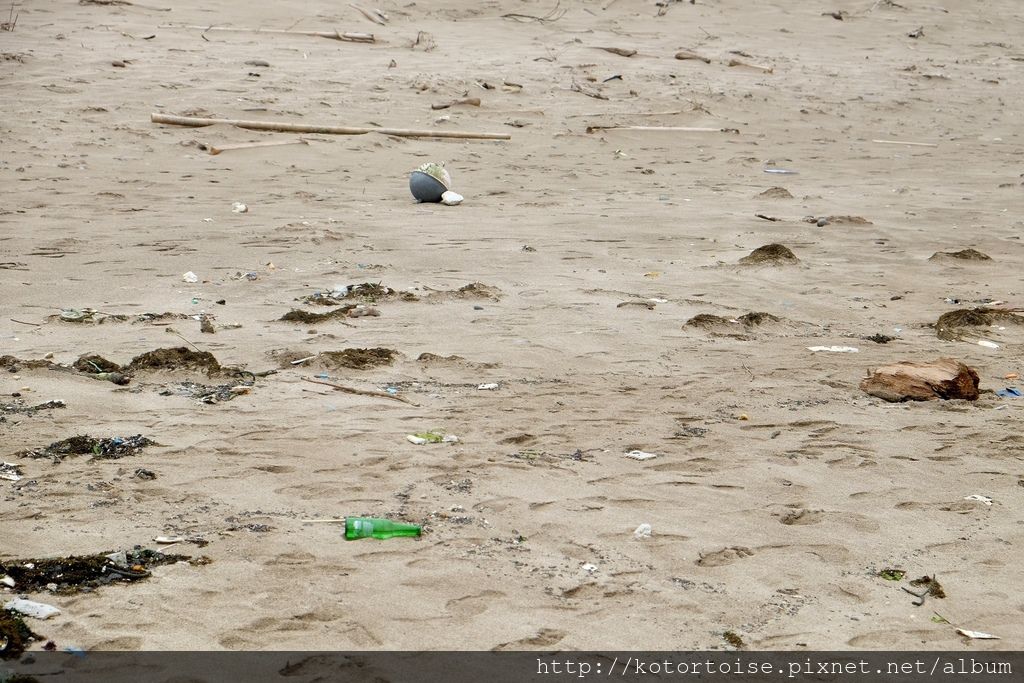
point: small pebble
(478, 307)
(822, 222)
(118, 63)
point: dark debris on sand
(74, 573)
(15, 635)
(105, 449)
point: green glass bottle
(372, 527)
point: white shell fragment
(190, 277)
(7, 581)
(642, 531)
(450, 198)
(977, 635)
(490, 386)
(834, 349)
(980, 498)
(988, 344)
(641, 455)
(36, 610)
(239, 207)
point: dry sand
(780, 489)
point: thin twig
(554, 15)
(360, 392)
(184, 340)
(22, 322)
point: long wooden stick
(675, 129)
(333, 35)
(285, 127)
(902, 142)
(249, 145)
(360, 392)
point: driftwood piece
(671, 129)
(944, 378)
(286, 127)
(621, 51)
(686, 54)
(469, 101)
(360, 392)
(333, 35)
(250, 145)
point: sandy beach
(570, 277)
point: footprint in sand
(724, 556)
(471, 605)
(801, 517)
(546, 637)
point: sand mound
(772, 255)
(956, 325)
(962, 255)
(776, 193)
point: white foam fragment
(641, 455)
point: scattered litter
(143, 473)
(382, 529)
(977, 635)
(1009, 392)
(429, 182)
(10, 471)
(190, 277)
(642, 531)
(589, 568)
(641, 455)
(434, 436)
(892, 574)
(834, 349)
(36, 610)
(980, 498)
(73, 315)
(490, 386)
(239, 207)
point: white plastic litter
(642, 531)
(834, 349)
(419, 440)
(7, 581)
(36, 610)
(190, 277)
(641, 455)
(490, 386)
(9, 471)
(980, 498)
(589, 568)
(168, 539)
(239, 207)
(450, 198)
(977, 635)
(988, 344)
